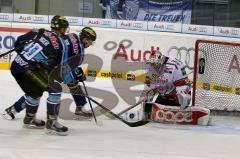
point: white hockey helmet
(157, 58)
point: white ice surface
(114, 140)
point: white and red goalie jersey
(169, 80)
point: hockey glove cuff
(79, 74)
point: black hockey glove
(79, 74)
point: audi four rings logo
(183, 54)
(4, 17)
(106, 22)
(138, 25)
(170, 27)
(39, 19)
(235, 32)
(72, 20)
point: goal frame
(196, 61)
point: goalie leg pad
(174, 115)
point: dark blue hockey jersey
(71, 58)
(48, 52)
(48, 47)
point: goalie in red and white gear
(167, 77)
(168, 80)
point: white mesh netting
(218, 87)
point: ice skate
(81, 112)
(53, 127)
(9, 113)
(31, 122)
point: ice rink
(114, 140)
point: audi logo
(111, 45)
(234, 32)
(38, 19)
(203, 29)
(170, 27)
(137, 25)
(186, 55)
(106, 22)
(71, 20)
(4, 17)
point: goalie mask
(157, 58)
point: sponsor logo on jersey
(74, 43)
(53, 39)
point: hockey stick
(78, 91)
(90, 103)
(40, 33)
(136, 104)
(131, 107)
(131, 124)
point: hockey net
(216, 81)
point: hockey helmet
(89, 33)
(58, 22)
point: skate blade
(6, 116)
(30, 126)
(53, 132)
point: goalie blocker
(174, 115)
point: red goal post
(216, 78)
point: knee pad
(54, 98)
(32, 101)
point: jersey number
(31, 51)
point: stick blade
(138, 123)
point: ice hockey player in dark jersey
(59, 25)
(31, 68)
(75, 46)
